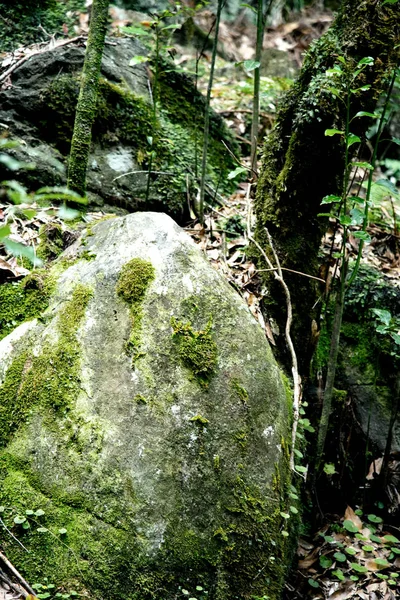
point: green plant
(349, 211)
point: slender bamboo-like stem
(207, 113)
(86, 107)
(256, 91)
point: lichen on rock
(138, 462)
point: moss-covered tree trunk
(301, 165)
(86, 107)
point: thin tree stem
(207, 114)
(86, 107)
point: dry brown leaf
(345, 591)
(375, 468)
(350, 515)
(309, 560)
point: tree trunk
(86, 107)
(301, 165)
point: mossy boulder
(144, 428)
(128, 139)
(369, 359)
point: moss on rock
(22, 301)
(197, 349)
(133, 281)
(21, 20)
(49, 380)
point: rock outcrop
(39, 110)
(144, 426)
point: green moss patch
(22, 301)
(197, 349)
(21, 20)
(134, 279)
(49, 380)
(51, 242)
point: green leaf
(325, 562)
(29, 512)
(368, 548)
(313, 583)
(251, 65)
(362, 235)
(374, 518)
(62, 531)
(345, 220)
(26, 525)
(4, 231)
(16, 192)
(250, 7)
(293, 496)
(388, 185)
(359, 568)
(137, 60)
(354, 578)
(185, 592)
(285, 515)
(385, 317)
(340, 556)
(363, 113)
(382, 562)
(350, 550)
(352, 139)
(299, 455)
(236, 172)
(11, 163)
(300, 469)
(285, 533)
(17, 249)
(395, 550)
(376, 539)
(199, 588)
(357, 216)
(329, 468)
(42, 529)
(294, 510)
(331, 132)
(363, 165)
(339, 574)
(349, 526)
(19, 519)
(39, 512)
(389, 2)
(59, 193)
(329, 539)
(331, 198)
(367, 60)
(68, 214)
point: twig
(245, 111)
(236, 158)
(17, 588)
(12, 535)
(147, 172)
(292, 271)
(21, 61)
(295, 371)
(17, 574)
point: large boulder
(39, 109)
(144, 426)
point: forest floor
(329, 558)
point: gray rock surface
(39, 109)
(154, 432)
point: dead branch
(14, 571)
(277, 271)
